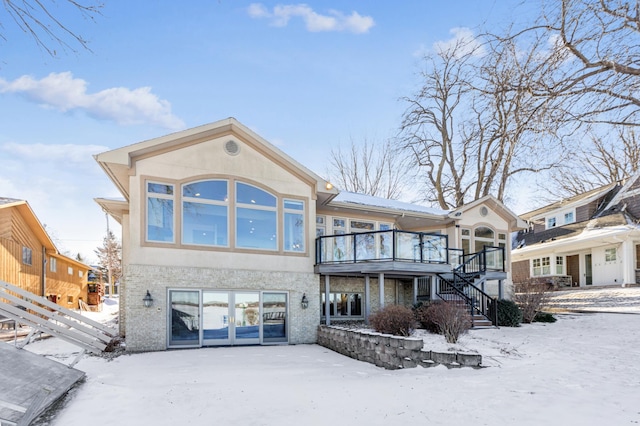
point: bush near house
(425, 319)
(509, 314)
(393, 319)
(544, 317)
(530, 296)
(446, 318)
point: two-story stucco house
(237, 243)
(592, 239)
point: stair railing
(477, 301)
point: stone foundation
(390, 352)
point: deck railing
(490, 259)
(391, 245)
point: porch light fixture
(148, 300)
(304, 302)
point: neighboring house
(591, 239)
(30, 260)
(237, 243)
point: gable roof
(37, 228)
(117, 163)
(515, 222)
(31, 219)
(570, 202)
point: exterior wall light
(304, 302)
(148, 300)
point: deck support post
(367, 298)
(381, 288)
(327, 300)
(500, 290)
(415, 290)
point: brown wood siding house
(26, 255)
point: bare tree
(37, 19)
(602, 160)
(593, 62)
(474, 124)
(369, 168)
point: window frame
(289, 212)
(178, 200)
(205, 202)
(255, 207)
(333, 296)
(610, 254)
(160, 196)
(27, 256)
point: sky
(581, 370)
(308, 77)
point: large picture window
(256, 218)
(224, 213)
(205, 214)
(160, 223)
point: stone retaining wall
(390, 352)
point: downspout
(43, 277)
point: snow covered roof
(590, 235)
(363, 200)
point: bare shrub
(393, 319)
(451, 319)
(423, 317)
(531, 297)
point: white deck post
(415, 290)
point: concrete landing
(26, 377)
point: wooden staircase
(45, 316)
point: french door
(230, 318)
(225, 317)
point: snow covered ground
(583, 369)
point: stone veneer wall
(146, 328)
(390, 352)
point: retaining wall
(388, 351)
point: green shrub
(393, 319)
(544, 317)
(509, 314)
(423, 316)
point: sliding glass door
(223, 318)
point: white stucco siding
(474, 218)
(209, 157)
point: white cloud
(463, 40)
(315, 22)
(63, 92)
(65, 153)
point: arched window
(483, 236)
(256, 218)
(205, 213)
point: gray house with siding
(592, 239)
